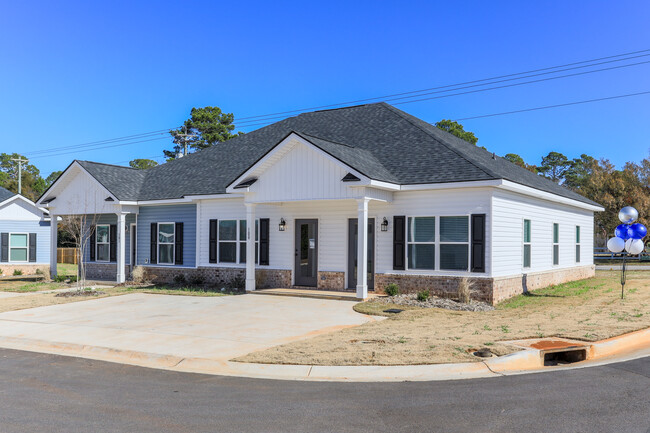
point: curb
(624, 347)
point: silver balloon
(628, 215)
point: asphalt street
(48, 393)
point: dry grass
(585, 310)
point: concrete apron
(623, 348)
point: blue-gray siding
(174, 213)
(112, 219)
(42, 230)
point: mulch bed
(434, 302)
(73, 293)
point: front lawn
(587, 310)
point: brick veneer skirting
(265, 278)
(490, 290)
(7, 269)
(331, 280)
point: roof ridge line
(326, 139)
(471, 161)
(105, 163)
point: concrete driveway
(215, 328)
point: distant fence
(605, 254)
(67, 255)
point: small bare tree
(80, 228)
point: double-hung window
(556, 244)
(454, 243)
(166, 240)
(577, 244)
(527, 247)
(18, 245)
(103, 243)
(421, 238)
(228, 241)
(242, 241)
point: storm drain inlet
(564, 356)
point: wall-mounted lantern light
(384, 225)
(282, 225)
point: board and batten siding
(185, 214)
(333, 216)
(111, 219)
(509, 211)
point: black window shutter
(4, 247)
(478, 243)
(32, 247)
(113, 243)
(399, 243)
(178, 244)
(264, 241)
(153, 247)
(92, 243)
(213, 241)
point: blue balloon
(638, 231)
(622, 231)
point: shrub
(197, 280)
(39, 271)
(465, 289)
(238, 283)
(60, 278)
(18, 272)
(73, 278)
(423, 295)
(137, 274)
(392, 289)
(179, 279)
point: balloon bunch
(629, 235)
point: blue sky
(76, 72)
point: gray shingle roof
(378, 140)
(5, 194)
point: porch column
(250, 246)
(362, 248)
(121, 236)
(53, 244)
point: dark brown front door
(353, 236)
(306, 252)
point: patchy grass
(66, 269)
(174, 290)
(24, 286)
(588, 310)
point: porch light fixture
(384, 225)
(282, 225)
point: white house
(281, 207)
(24, 235)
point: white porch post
(121, 236)
(250, 246)
(53, 245)
(362, 248)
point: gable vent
(109, 199)
(246, 183)
(350, 178)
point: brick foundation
(7, 269)
(101, 271)
(331, 281)
(490, 290)
(265, 278)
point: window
(556, 244)
(454, 243)
(18, 243)
(166, 239)
(421, 237)
(103, 243)
(242, 241)
(228, 241)
(577, 244)
(527, 246)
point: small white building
(281, 207)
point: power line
(587, 101)
(98, 148)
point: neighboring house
(281, 206)
(24, 235)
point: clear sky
(77, 72)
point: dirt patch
(552, 344)
(587, 310)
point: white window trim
(524, 243)
(468, 243)
(577, 234)
(97, 243)
(158, 243)
(553, 244)
(434, 243)
(25, 248)
(237, 241)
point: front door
(306, 253)
(353, 233)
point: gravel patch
(434, 302)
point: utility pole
(20, 172)
(185, 137)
